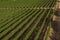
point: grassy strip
(12, 26)
(19, 26)
(47, 32)
(45, 3)
(32, 29)
(2, 25)
(5, 26)
(37, 36)
(23, 30)
(42, 3)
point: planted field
(25, 19)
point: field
(25, 19)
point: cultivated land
(25, 19)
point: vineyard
(25, 19)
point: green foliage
(19, 19)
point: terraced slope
(25, 20)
